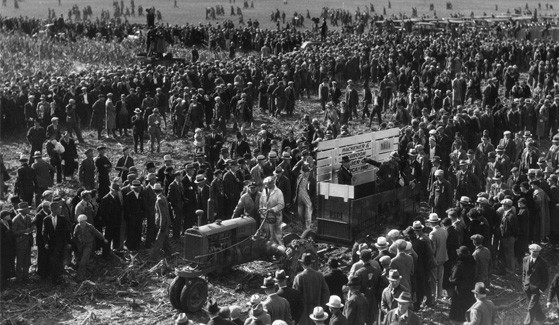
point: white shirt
(54, 221)
(85, 101)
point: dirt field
(193, 11)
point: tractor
(216, 247)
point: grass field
(193, 11)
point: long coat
(535, 278)
(98, 115)
(463, 280)
(110, 118)
(134, 214)
(86, 173)
(315, 292)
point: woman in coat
(70, 155)
(462, 280)
(110, 119)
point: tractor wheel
(194, 295)
(294, 251)
(288, 238)
(309, 234)
(175, 290)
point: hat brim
(324, 317)
(403, 300)
(393, 280)
(335, 306)
(381, 246)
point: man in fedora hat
(56, 235)
(336, 307)
(390, 293)
(26, 181)
(124, 163)
(423, 247)
(438, 238)
(154, 128)
(483, 311)
(345, 177)
(43, 172)
(277, 306)
(163, 224)
(112, 212)
(402, 314)
(403, 262)
(135, 211)
(22, 228)
(467, 184)
(535, 279)
(138, 127)
(312, 286)
(335, 278)
(293, 297)
(319, 316)
(356, 306)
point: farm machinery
(216, 247)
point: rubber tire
(194, 295)
(288, 238)
(309, 234)
(175, 290)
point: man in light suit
(438, 238)
(534, 280)
(56, 234)
(312, 286)
(403, 262)
(272, 204)
(483, 311)
(277, 307)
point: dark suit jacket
(59, 237)
(295, 300)
(534, 276)
(134, 208)
(344, 176)
(356, 309)
(110, 210)
(335, 280)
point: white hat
(439, 172)
(82, 217)
(335, 302)
(318, 314)
(167, 158)
(535, 248)
(433, 218)
(381, 243)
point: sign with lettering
(375, 145)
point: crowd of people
(478, 142)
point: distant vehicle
(312, 44)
